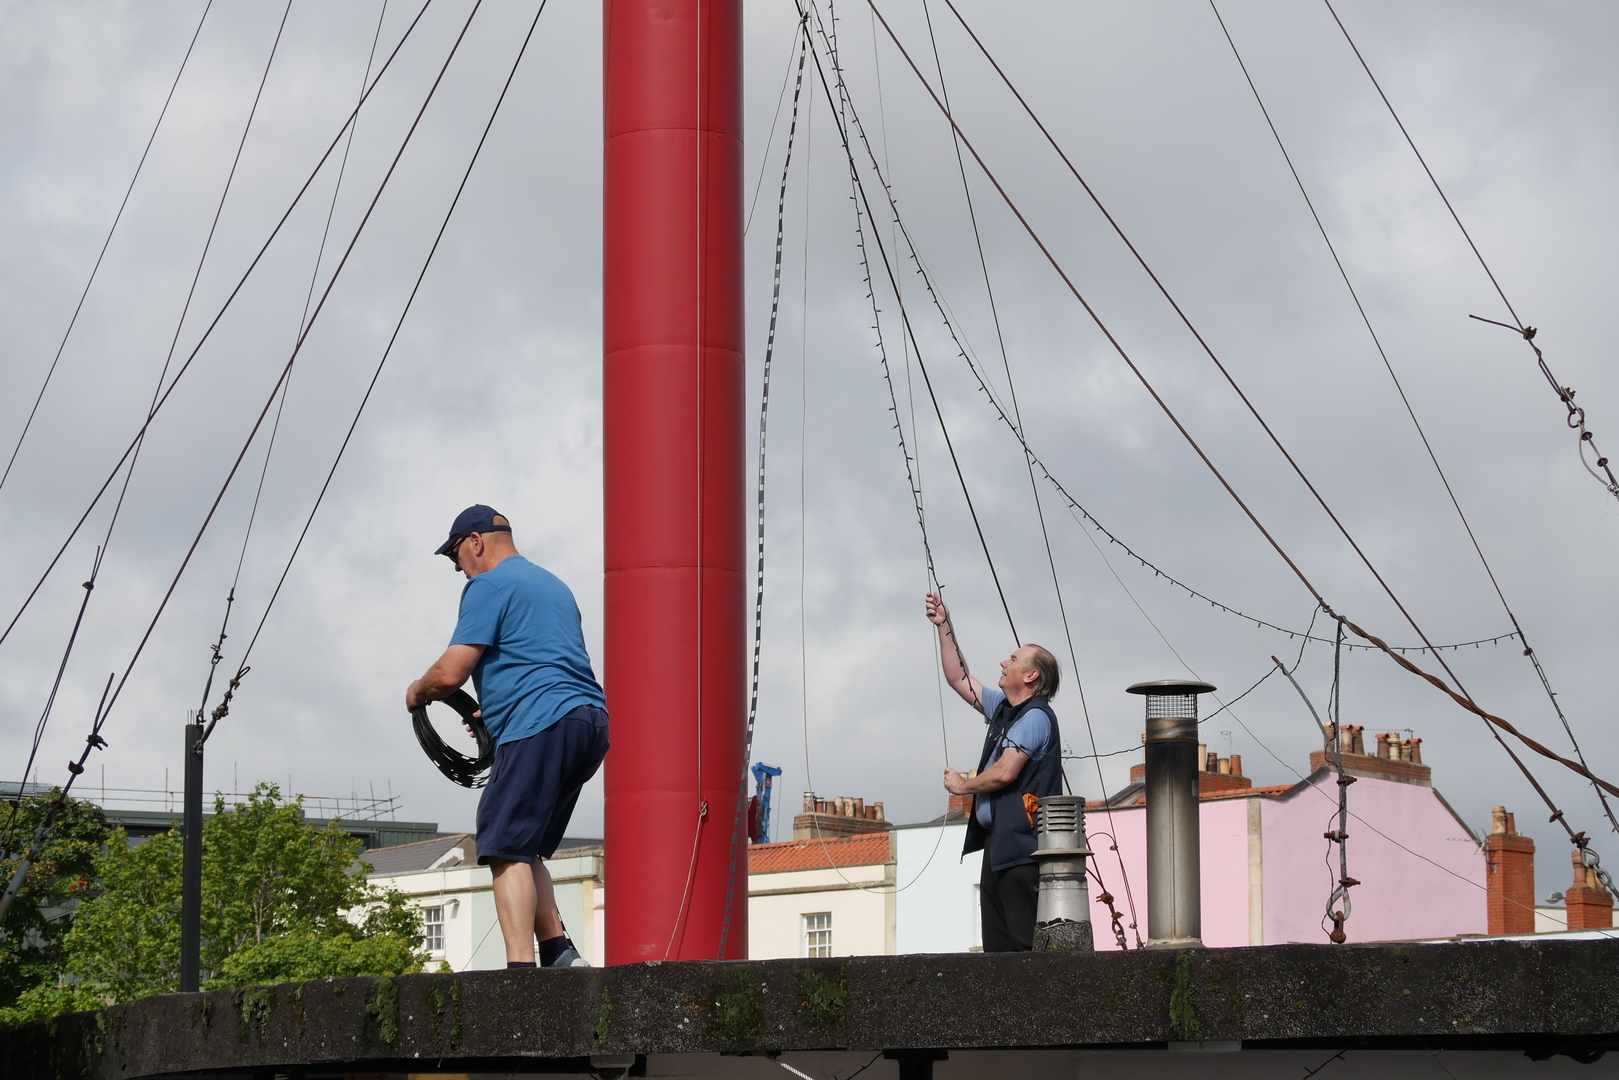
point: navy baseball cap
(474, 519)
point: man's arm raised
(955, 670)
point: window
(433, 928)
(818, 934)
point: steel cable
(1388, 365)
(229, 300)
(113, 228)
(129, 473)
(759, 498)
(253, 433)
(1576, 415)
(223, 708)
(275, 427)
(1208, 462)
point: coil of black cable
(466, 771)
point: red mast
(672, 461)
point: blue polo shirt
(1029, 735)
(534, 667)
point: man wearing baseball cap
(519, 639)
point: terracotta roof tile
(865, 850)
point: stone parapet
(1538, 996)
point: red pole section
(672, 461)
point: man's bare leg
(526, 905)
(547, 919)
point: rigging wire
(770, 140)
(1576, 415)
(1011, 386)
(75, 769)
(1304, 782)
(842, 108)
(1388, 365)
(113, 228)
(759, 508)
(129, 474)
(303, 337)
(223, 708)
(229, 300)
(50, 702)
(909, 332)
(1494, 723)
(275, 427)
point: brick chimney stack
(1589, 905)
(1511, 876)
(842, 816)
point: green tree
(280, 901)
(31, 951)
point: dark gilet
(1010, 840)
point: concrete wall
(860, 899)
(936, 898)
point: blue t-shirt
(534, 667)
(1029, 734)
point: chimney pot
(1383, 746)
(860, 808)
(1510, 870)
(1203, 757)
(1223, 766)
(809, 802)
(1236, 764)
(1357, 741)
(1413, 750)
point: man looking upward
(519, 639)
(1022, 756)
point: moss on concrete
(736, 1015)
(823, 1003)
(253, 1006)
(383, 1005)
(1184, 1023)
(604, 1016)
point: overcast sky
(492, 392)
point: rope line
(303, 337)
(1017, 414)
(864, 203)
(759, 512)
(1303, 780)
(1576, 416)
(117, 217)
(1192, 442)
(223, 709)
(1388, 365)
(275, 427)
(224, 307)
(129, 474)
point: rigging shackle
(466, 771)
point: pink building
(1265, 871)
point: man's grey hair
(1050, 672)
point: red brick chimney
(1589, 905)
(1511, 880)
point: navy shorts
(534, 785)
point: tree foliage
(31, 949)
(281, 901)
